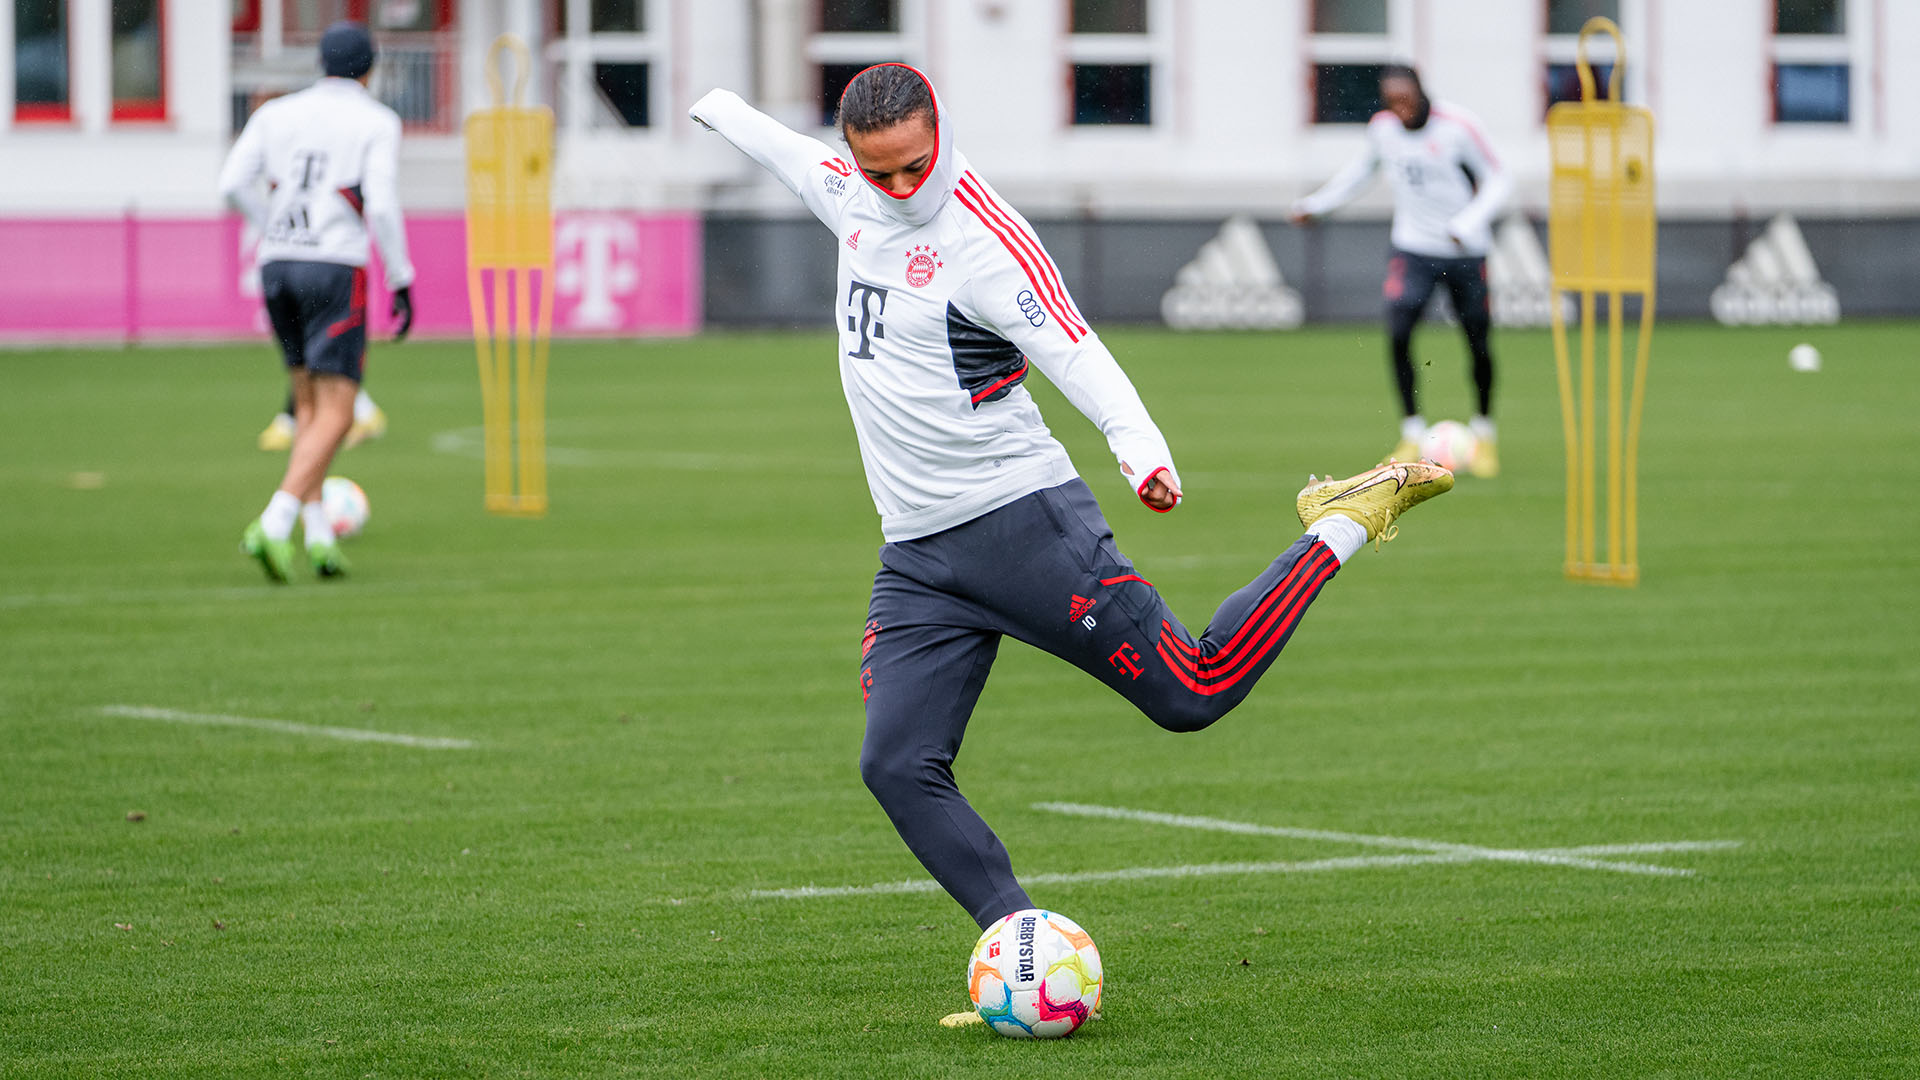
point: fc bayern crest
(922, 261)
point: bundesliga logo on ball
(1035, 975)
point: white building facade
(1138, 122)
(1102, 106)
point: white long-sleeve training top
(330, 157)
(1446, 181)
(943, 297)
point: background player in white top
(1447, 186)
(329, 157)
(944, 301)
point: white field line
(1641, 849)
(175, 716)
(1351, 862)
(1433, 852)
(1543, 856)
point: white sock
(278, 518)
(1342, 535)
(313, 522)
(1483, 428)
(363, 407)
(1413, 428)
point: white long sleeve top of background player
(1446, 182)
(909, 272)
(330, 157)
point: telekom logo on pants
(596, 262)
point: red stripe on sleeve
(1038, 289)
(1049, 274)
(1047, 265)
(1038, 250)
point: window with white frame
(42, 65)
(138, 67)
(611, 61)
(129, 48)
(416, 74)
(1351, 41)
(1118, 58)
(1562, 47)
(1812, 58)
(854, 35)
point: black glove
(402, 312)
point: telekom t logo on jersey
(597, 258)
(872, 303)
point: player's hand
(402, 312)
(1299, 217)
(1161, 493)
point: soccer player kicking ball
(944, 298)
(330, 157)
(1447, 185)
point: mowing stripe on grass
(175, 716)
(468, 442)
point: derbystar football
(1035, 975)
(1449, 444)
(346, 506)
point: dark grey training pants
(1042, 569)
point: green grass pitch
(659, 680)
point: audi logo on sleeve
(1030, 307)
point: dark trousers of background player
(1410, 282)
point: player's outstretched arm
(1343, 188)
(1016, 291)
(800, 162)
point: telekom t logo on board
(596, 259)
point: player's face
(895, 158)
(1401, 99)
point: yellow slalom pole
(1602, 228)
(1586, 428)
(510, 236)
(483, 350)
(535, 454)
(1632, 467)
(1568, 423)
(523, 372)
(1615, 431)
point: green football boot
(1375, 497)
(327, 560)
(276, 556)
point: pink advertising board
(616, 274)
